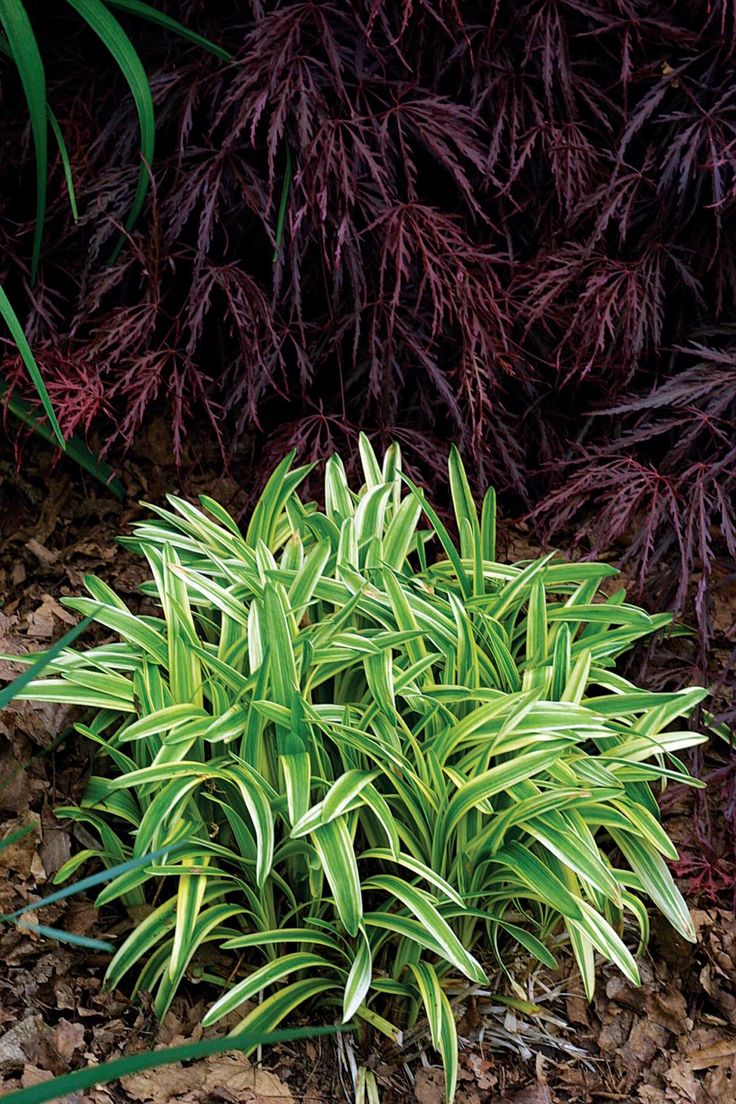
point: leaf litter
(673, 1041)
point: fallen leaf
(681, 1079)
(236, 1074)
(80, 917)
(429, 1085)
(45, 556)
(669, 1010)
(19, 855)
(32, 1075)
(23, 1043)
(227, 1077)
(55, 848)
(644, 1042)
(67, 1038)
(712, 1055)
(15, 789)
(537, 1093)
(720, 1083)
(163, 1084)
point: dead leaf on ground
(713, 1055)
(27, 1041)
(536, 1093)
(19, 856)
(55, 848)
(45, 556)
(42, 623)
(15, 787)
(226, 1077)
(67, 1038)
(429, 1085)
(32, 1075)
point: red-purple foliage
(512, 225)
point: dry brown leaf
(429, 1085)
(23, 1043)
(227, 1077)
(41, 722)
(32, 1075)
(615, 1031)
(238, 1076)
(19, 856)
(15, 789)
(713, 1055)
(79, 917)
(67, 1038)
(669, 1010)
(720, 1084)
(536, 1093)
(45, 556)
(644, 1042)
(478, 1070)
(577, 1010)
(55, 848)
(163, 1084)
(683, 1085)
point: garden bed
(672, 1040)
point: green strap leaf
(95, 879)
(16, 330)
(359, 978)
(106, 1072)
(75, 448)
(261, 979)
(113, 37)
(441, 1022)
(66, 164)
(153, 15)
(426, 913)
(14, 688)
(335, 848)
(24, 49)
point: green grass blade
(16, 330)
(66, 164)
(488, 525)
(114, 38)
(95, 879)
(657, 882)
(443, 536)
(464, 505)
(62, 936)
(266, 1016)
(106, 1072)
(153, 15)
(441, 1022)
(359, 978)
(24, 49)
(17, 685)
(74, 448)
(335, 848)
(312, 936)
(260, 979)
(426, 913)
(15, 837)
(281, 216)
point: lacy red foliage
(507, 224)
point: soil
(672, 1040)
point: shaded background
(508, 225)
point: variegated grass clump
(379, 757)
